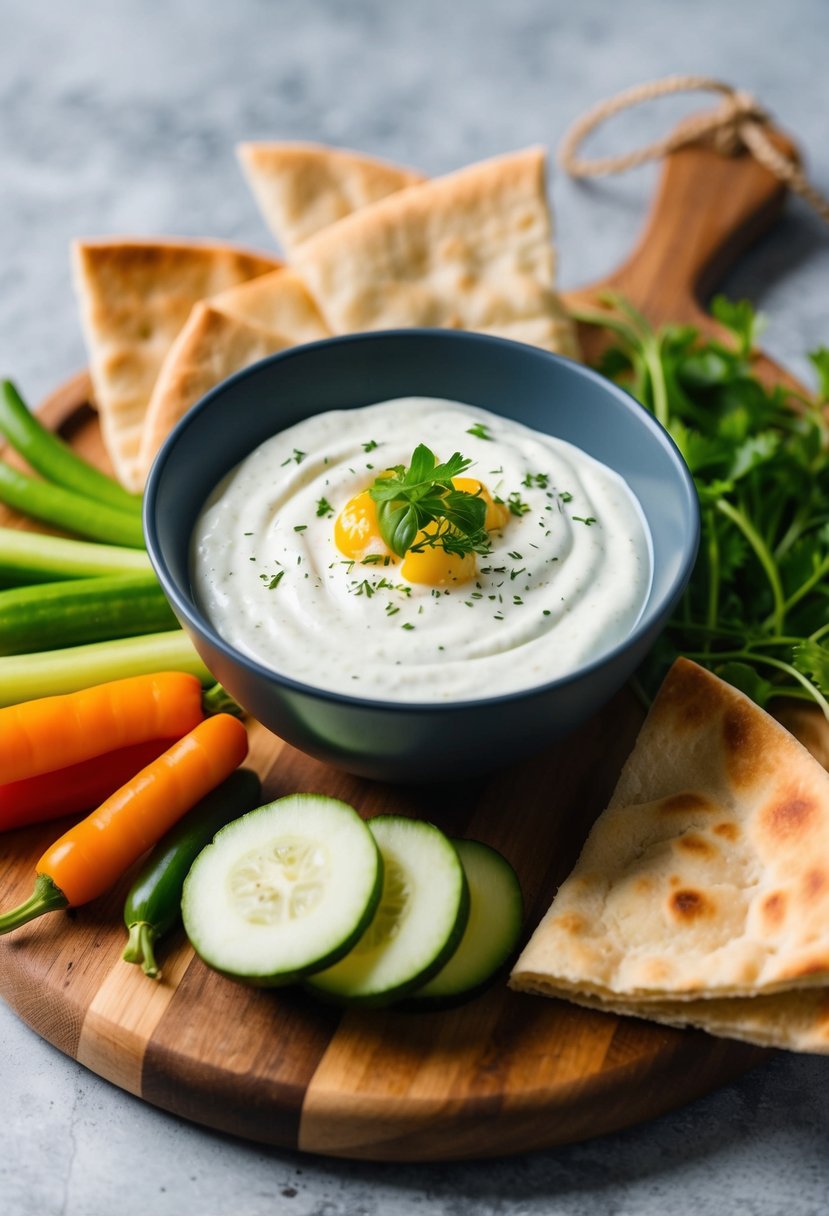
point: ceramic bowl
(420, 742)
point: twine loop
(739, 123)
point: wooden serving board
(503, 1073)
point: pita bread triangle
(472, 250)
(135, 296)
(301, 188)
(702, 893)
(222, 335)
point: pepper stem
(217, 700)
(140, 948)
(46, 897)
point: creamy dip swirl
(566, 580)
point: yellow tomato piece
(497, 513)
(356, 530)
(436, 567)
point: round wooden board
(503, 1073)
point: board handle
(709, 207)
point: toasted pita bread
(211, 347)
(796, 1021)
(135, 296)
(221, 336)
(301, 188)
(279, 302)
(472, 250)
(708, 875)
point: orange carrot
(90, 858)
(54, 732)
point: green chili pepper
(153, 905)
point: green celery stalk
(33, 557)
(23, 677)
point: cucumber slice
(493, 930)
(418, 924)
(284, 890)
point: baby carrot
(90, 858)
(54, 732)
(75, 789)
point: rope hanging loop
(739, 123)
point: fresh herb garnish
(324, 508)
(370, 445)
(421, 497)
(755, 610)
(516, 504)
(296, 456)
(480, 430)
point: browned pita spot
(572, 924)
(815, 883)
(789, 818)
(690, 905)
(745, 741)
(729, 831)
(693, 843)
(773, 909)
(685, 802)
(687, 698)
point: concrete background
(122, 119)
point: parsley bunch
(411, 499)
(756, 610)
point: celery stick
(33, 557)
(51, 672)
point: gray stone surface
(122, 118)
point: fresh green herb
(300, 527)
(324, 508)
(296, 456)
(480, 430)
(589, 520)
(755, 610)
(423, 496)
(275, 581)
(407, 626)
(516, 504)
(370, 445)
(565, 496)
(536, 480)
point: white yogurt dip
(566, 580)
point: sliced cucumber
(284, 890)
(493, 930)
(418, 923)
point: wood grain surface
(503, 1073)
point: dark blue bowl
(387, 740)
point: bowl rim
(186, 607)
